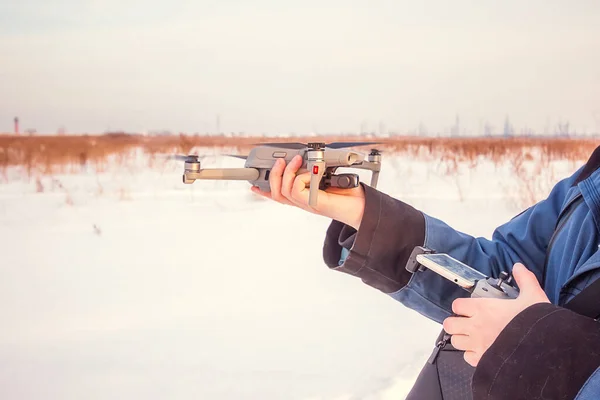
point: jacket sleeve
(377, 253)
(591, 388)
(545, 352)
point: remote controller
(464, 276)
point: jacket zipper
(438, 347)
(563, 220)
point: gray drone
(321, 159)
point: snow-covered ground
(130, 285)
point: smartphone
(451, 269)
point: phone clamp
(413, 265)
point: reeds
(52, 154)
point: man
(531, 347)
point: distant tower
(16, 125)
(508, 128)
(455, 130)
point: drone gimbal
(320, 159)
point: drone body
(320, 159)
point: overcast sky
(279, 66)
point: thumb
(526, 280)
(301, 186)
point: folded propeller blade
(342, 145)
(179, 157)
(285, 145)
(334, 145)
(237, 156)
(188, 158)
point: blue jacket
(547, 351)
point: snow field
(129, 284)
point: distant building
(508, 128)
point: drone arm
(374, 179)
(316, 169)
(374, 167)
(371, 166)
(232, 174)
(342, 158)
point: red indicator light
(315, 169)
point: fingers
(461, 342)
(282, 180)
(256, 189)
(294, 187)
(464, 306)
(525, 279)
(466, 344)
(289, 187)
(472, 358)
(275, 181)
(289, 176)
(457, 325)
(300, 190)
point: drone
(320, 159)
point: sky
(281, 67)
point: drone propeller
(334, 145)
(343, 145)
(291, 146)
(188, 158)
(179, 157)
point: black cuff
(379, 251)
(545, 352)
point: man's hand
(483, 319)
(344, 205)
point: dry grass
(527, 158)
(51, 154)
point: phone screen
(455, 267)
